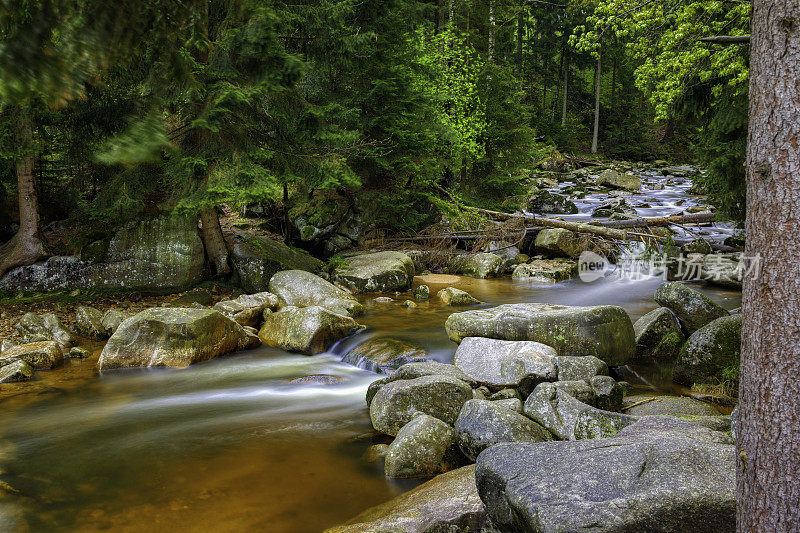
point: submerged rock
(483, 423)
(303, 289)
(423, 448)
(500, 364)
(174, 337)
(385, 355)
(658, 336)
(42, 355)
(561, 242)
(89, 323)
(422, 292)
(448, 502)
(604, 331)
(308, 330)
(482, 265)
(248, 309)
(317, 379)
(456, 297)
(692, 308)
(259, 258)
(545, 270)
(376, 272)
(656, 475)
(711, 352)
(397, 403)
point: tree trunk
(520, 35)
(768, 443)
(614, 81)
(216, 250)
(597, 84)
(566, 84)
(26, 247)
(492, 30)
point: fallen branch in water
(696, 218)
(631, 406)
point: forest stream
(231, 444)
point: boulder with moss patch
(712, 353)
(298, 288)
(376, 272)
(545, 270)
(692, 308)
(385, 355)
(603, 331)
(257, 259)
(658, 336)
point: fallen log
(696, 218)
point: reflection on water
(229, 445)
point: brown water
(229, 445)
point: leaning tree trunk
(597, 101)
(768, 444)
(214, 242)
(566, 85)
(26, 246)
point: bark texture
(598, 74)
(768, 461)
(26, 247)
(214, 242)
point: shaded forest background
(188, 106)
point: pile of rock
(699, 338)
(523, 378)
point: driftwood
(696, 218)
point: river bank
(234, 443)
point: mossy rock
(712, 353)
(258, 258)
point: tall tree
(597, 85)
(768, 443)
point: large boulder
(711, 353)
(173, 337)
(257, 259)
(248, 309)
(484, 423)
(47, 327)
(482, 265)
(89, 323)
(568, 418)
(545, 270)
(618, 180)
(377, 272)
(692, 308)
(417, 370)
(308, 330)
(614, 206)
(385, 355)
(424, 447)
(603, 331)
(396, 403)
(156, 254)
(42, 355)
(499, 364)
(299, 288)
(561, 242)
(448, 502)
(658, 336)
(655, 477)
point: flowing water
(230, 445)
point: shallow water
(229, 445)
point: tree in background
(768, 437)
